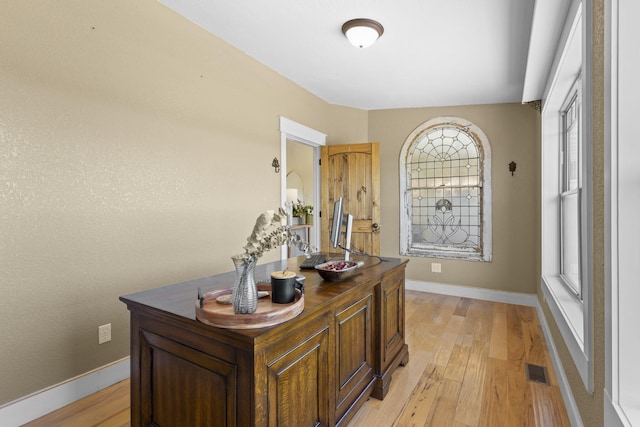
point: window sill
(632, 413)
(568, 313)
(442, 254)
(618, 415)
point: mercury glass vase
(245, 292)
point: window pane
(571, 146)
(570, 268)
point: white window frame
(622, 201)
(574, 98)
(481, 140)
(572, 315)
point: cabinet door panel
(175, 376)
(392, 327)
(297, 384)
(391, 350)
(354, 347)
(392, 318)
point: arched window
(445, 191)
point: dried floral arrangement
(271, 231)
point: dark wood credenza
(314, 370)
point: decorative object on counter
(270, 231)
(215, 312)
(309, 215)
(200, 297)
(297, 210)
(337, 271)
(226, 298)
(245, 293)
(283, 287)
(303, 212)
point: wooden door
(352, 172)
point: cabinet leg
(405, 359)
(381, 384)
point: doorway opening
(300, 179)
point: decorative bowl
(336, 271)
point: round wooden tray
(267, 314)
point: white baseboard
(530, 300)
(42, 402)
(563, 382)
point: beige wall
(129, 140)
(512, 130)
(347, 125)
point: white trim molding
(622, 201)
(302, 133)
(573, 316)
(546, 28)
(290, 130)
(529, 300)
(42, 402)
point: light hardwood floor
(466, 368)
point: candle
(283, 287)
(283, 274)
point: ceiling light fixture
(362, 32)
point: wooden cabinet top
(178, 301)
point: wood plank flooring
(466, 368)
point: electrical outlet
(104, 333)
(436, 267)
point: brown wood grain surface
(352, 171)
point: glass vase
(245, 292)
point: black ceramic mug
(283, 287)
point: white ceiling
(432, 52)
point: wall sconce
(512, 167)
(276, 164)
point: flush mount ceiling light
(362, 32)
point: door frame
(291, 130)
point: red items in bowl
(335, 271)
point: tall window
(445, 191)
(570, 192)
(566, 251)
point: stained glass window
(444, 191)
